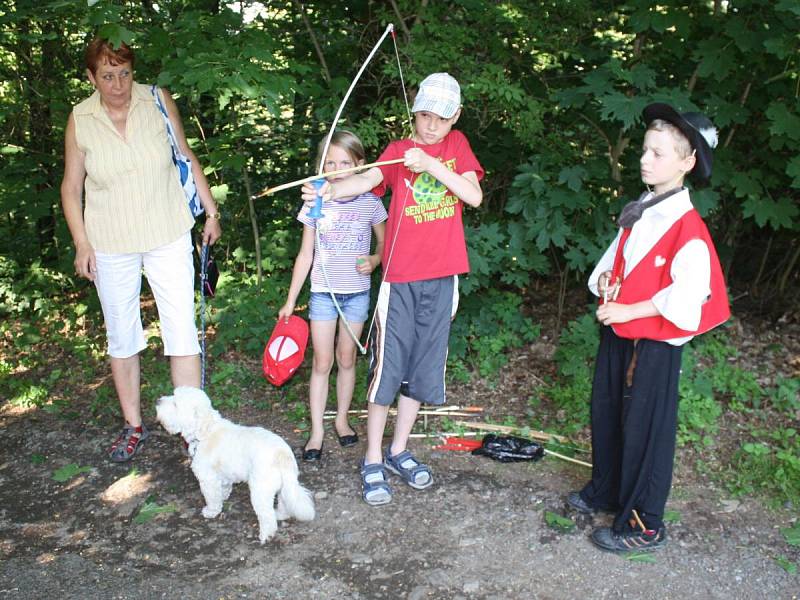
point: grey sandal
(413, 472)
(374, 488)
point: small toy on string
(315, 212)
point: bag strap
(203, 275)
(165, 115)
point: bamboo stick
(442, 409)
(424, 413)
(568, 458)
(537, 435)
(444, 434)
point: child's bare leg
(376, 423)
(322, 337)
(407, 409)
(345, 375)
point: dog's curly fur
(224, 453)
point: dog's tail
(297, 500)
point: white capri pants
(170, 272)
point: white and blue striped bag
(182, 162)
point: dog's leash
(203, 277)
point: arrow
(286, 186)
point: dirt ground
(479, 532)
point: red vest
(652, 274)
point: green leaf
(69, 471)
(746, 183)
(220, 192)
(789, 6)
(672, 516)
(116, 34)
(777, 213)
(792, 534)
(715, 58)
(705, 201)
(558, 522)
(640, 20)
(787, 565)
(784, 121)
(573, 177)
(150, 509)
(38, 459)
(618, 106)
(643, 77)
(780, 47)
(642, 557)
(793, 170)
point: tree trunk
(253, 222)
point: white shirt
(681, 302)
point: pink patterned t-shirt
(345, 232)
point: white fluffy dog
(224, 453)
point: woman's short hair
(347, 141)
(100, 50)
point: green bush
(571, 392)
(487, 326)
(768, 465)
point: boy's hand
(367, 264)
(605, 288)
(309, 192)
(613, 312)
(418, 161)
(286, 311)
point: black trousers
(634, 421)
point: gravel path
(479, 532)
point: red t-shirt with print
(425, 226)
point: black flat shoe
(347, 440)
(312, 454)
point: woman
(135, 217)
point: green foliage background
(552, 102)
(552, 91)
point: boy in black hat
(660, 284)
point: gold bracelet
(215, 215)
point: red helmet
(285, 349)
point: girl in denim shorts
(343, 249)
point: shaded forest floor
(484, 530)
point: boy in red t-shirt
(660, 284)
(424, 254)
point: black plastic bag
(508, 448)
(208, 285)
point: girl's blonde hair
(347, 141)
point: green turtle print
(428, 190)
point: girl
(344, 243)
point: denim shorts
(355, 307)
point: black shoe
(347, 440)
(629, 541)
(576, 501)
(312, 454)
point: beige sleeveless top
(134, 200)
